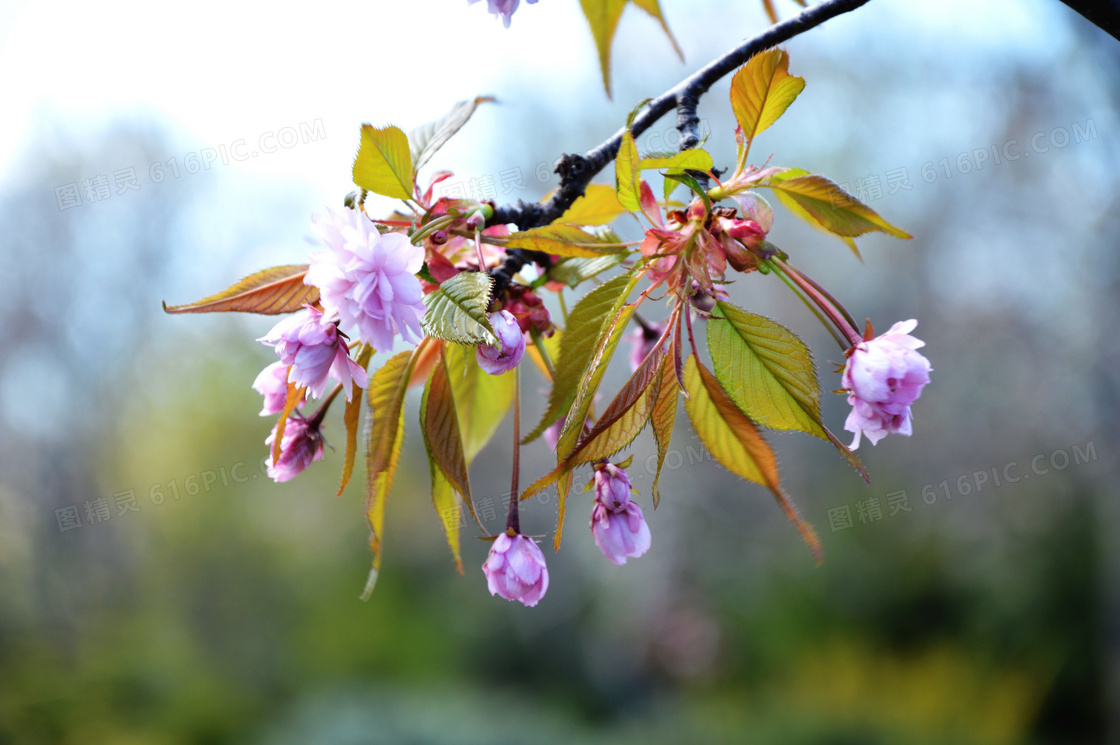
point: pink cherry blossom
(621, 533)
(515, 569)
(272, 383)
(368, 279)
(617, 524)
(883, 377)
(309, 342)
(504, 8)
(302, 445)
(497, 360)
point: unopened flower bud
(515, 569)
(302, 445)
(506, 356)
(617, 524)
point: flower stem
(513, 520)
(315, 420)
(801, 296)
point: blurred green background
(213, 606)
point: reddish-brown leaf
(269, 292)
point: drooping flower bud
(309, 342)
(302, 445)
(515, 569)
(617, 524)
(272, 383)
(497, 360)
(883, 377)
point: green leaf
(563, 240)
(269, 292)
(627, 173)
(383, 164)
(575, 270)
(826, 206)
(350, 418)
(762, 90)
(428, 138)
(577, 347)
(692, 160)
(457, 311)
(692, 184)
(735, 442)
(766, 370)
(597, 206)
(664, 417)
(384, 438)
(481, 400)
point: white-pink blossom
(272, 383)
(368, 279)
(883, 377)
(309, 342)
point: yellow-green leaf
(577, 347)
(603, 15)
(627, 173)
(653, 7)
(457, 311)
(609, 336)
(598, 206)
(350, 418)
(664, 417)
(691, 160)
(383, 164)
(762, 90)
(293, 400)
(766, 370)
(384, 438)
(563, 240)
(269, 292)
(578, 269)
(426, 139)
(439, 428)
(481, 400)
(823, 204)
(440, 423)
(625, 417)
(735, 442)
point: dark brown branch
(576, 171)
(1105, 14)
